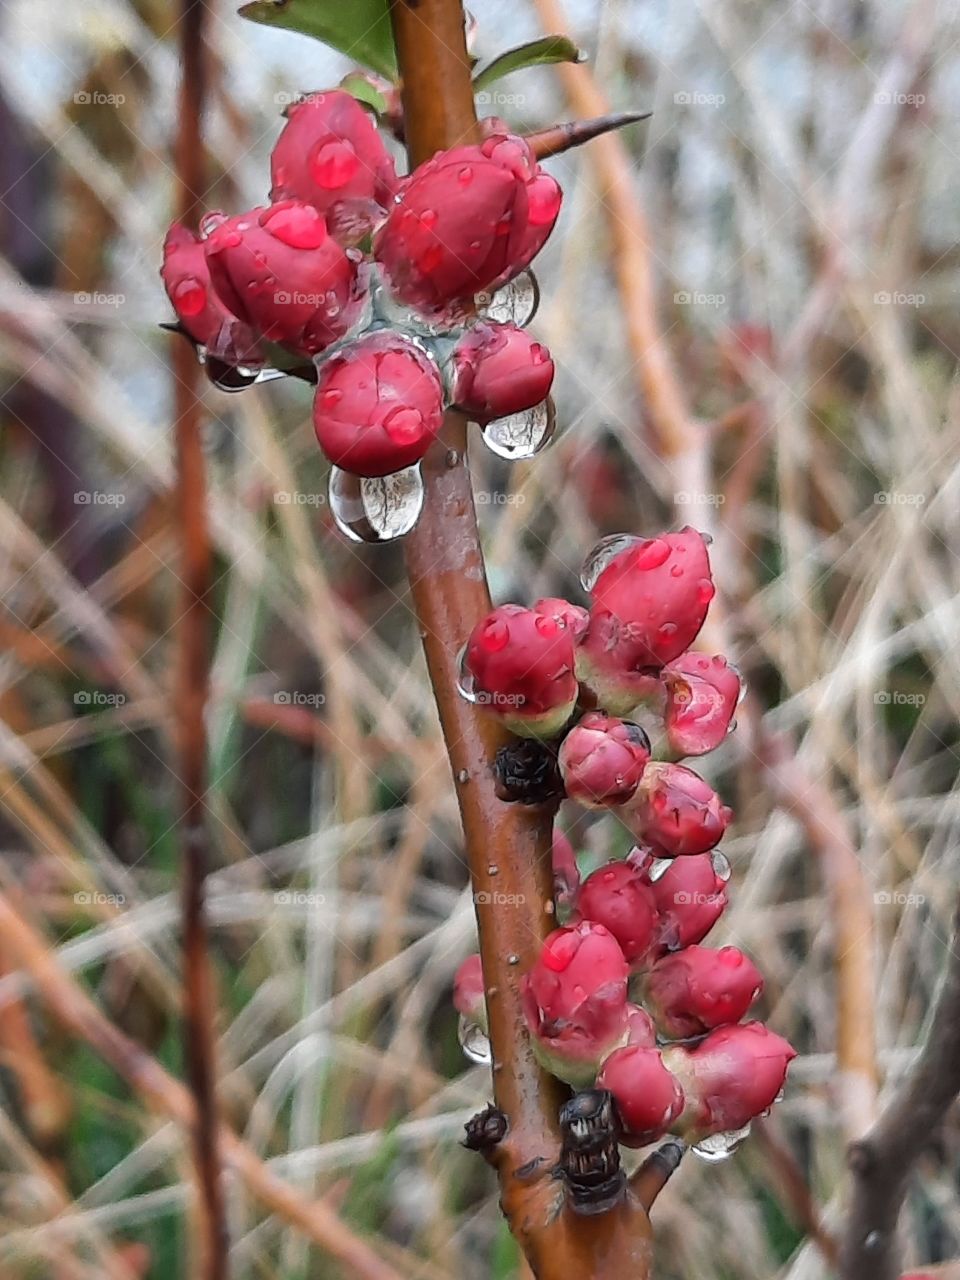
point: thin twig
(192, 689)
(883, 1161)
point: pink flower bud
(649, 603)
(186, 278)
(499, 370)
(518, 664)
(469, 997)
(698, 988)
(575, 1001)
(649, 1098)
(330, 151)
(730, 1077)
(280, 272)
(566, 873)
(690, 897)
(617, 897)
(602, 759)
(676, 811)
(467, 220)
(378, 404)
(572, 616)
(702, 696)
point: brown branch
(656, 1171)
(192, 685)
(508, 846)
(881, 1164)
(68, 1003)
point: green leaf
(359, 28)
(534, 54)
(364, 91)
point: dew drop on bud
(474, 1042)
(652, 553)
(190, 297)
(297, 226)
(721, 865)
(606, 551)
(522, 435)
(719, 1146)
(465, 176)
(658, 867)
(466, 685)
(376, 508)
(516, 303)
(404, 425)
(334, 164)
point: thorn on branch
(485, 1129)
(526, 771)
(574, 133)
(656, 1171)
(589, 1156)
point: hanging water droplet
(522, 435)
(516, 303)
(658, 867)
(228, 377)
(606, 550)
(721, 865)
(720, 1146)
(474, 1042)
(376, 508)
(466, 685)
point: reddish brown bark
(508, 846)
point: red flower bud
(602, 759)
(694, 990)
(689, 896)
(618, 897)
(676, 811)
(330, 151)
(499, 370)
(566, 873)
(702, 695)
(649, 603)
(649, 1098)
(469, 997)
(519, 665)
(280, 272)
(572, 616)
(730, 1077)
(467, 220)
(575, 1001)
(378, 404)
(186, 278)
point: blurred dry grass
(798, 183)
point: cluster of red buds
(380, 289)
(624, 995)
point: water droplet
(522, 435)
(465, 175)
(466, 685)
(404, 425)
(606, 551)
(705, 591)
(334, 164)
(719, 1146)
(721, 865)
(190, 297)
(463, 776)
(658, 867)
(652, 553)
(474, 1042)
(376, 508)
(297, 226)
(516, 303)
(428, 217)
(210, 221)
